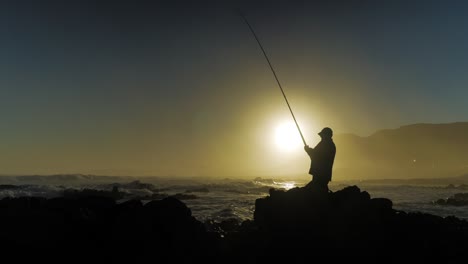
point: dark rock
(97, 226)
(344, 223)
(381, 204)
(170, 208)
(458, 199)
(450, 186)
(130, 205)
(135, 185)
(226, 226)
(348, 221)
(459, 187)
(230, 225)
(26, 203)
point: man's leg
(321, 184)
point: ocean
(223, 199)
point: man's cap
(326, 132)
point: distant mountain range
(412, 151)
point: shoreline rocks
(303, 223)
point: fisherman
(322, 157)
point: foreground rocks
(97, 226)
(349, 222)
(300, 223)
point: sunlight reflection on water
(288, 185)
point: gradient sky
(181, 88)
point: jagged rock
(230, 225)
(135, 185)
(349, 221)
(97, 225)
(225, 226)
(130, 205)
(459, 187)
(302, 222)
(458, 199)
(170, 208)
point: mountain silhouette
(412, 151)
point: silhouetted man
(322, 157)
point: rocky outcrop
(350, 222)
(301, 224)
(459, 187)
(458, 199)
(98, 226)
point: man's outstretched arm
(309, 150)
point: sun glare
(287, 137)
(289, 185)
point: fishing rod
(274, 73)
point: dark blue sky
(166, 87)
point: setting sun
(287, 137)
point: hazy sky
(181, 88)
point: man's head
(326, 133)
